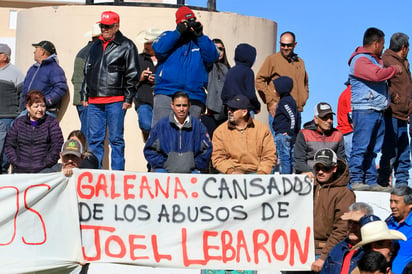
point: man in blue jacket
(47, 76)
(178, 143)
(183, 56)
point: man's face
(180, 107)
(109, 31)
(324, 173)
(38, 54)
(385, 247)
(324, 123)
(354, 231)
(70, 160)
(379, 47)
(3, 59)
(400, 210)
(287, 45)
(235, 116)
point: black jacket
(145, 88)
(112, 72)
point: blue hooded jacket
(240, 79)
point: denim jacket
(334, 261)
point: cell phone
(153, 74)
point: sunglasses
(284, 45)
(323, 168)
(106, 26)
(221, 48)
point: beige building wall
(65, 26)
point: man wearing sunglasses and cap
(184, 56)
(47, 76)
(111, 76)
(332, 199)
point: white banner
(198, 221)
(39, 227)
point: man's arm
(220, 157)
(268, 156)
(340, 153)
(59, 86)
(262, 83)
(132, 73)
(365, 69)
(152, 151)
(165, 44)
(208, 49)
(203, 157)
(300, 154)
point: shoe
(359, 187)
(380, 188)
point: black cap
(46, 45)
(239, 102)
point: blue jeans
(82, 111)
(395, 152)
(145, 116)
(368, 133)
(347, 139)
(99, 117)
(5, 124)
(284, 148)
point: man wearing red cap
(111, 76)
(183, 56)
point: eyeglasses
(221, 48)
(284, 45)
(106, 26)
(323, 168)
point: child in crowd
(240, 79)
(286, 123)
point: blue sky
(327, 33)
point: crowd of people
(197, 115)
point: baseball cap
(72, 147)
(109, 18)
(239, 102)
(4, 48)
(326, 157)
(184, 13)
(46, 45)
(322, 109)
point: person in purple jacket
(34, 140)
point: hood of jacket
(391, 53)
(245, 54)
(361, 50)
(340, 178)
(48, 60)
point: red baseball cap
(184, 13)
(109, 18)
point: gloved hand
(198, 29)
(182, 28)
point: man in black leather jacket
(111, 74)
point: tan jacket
(251, 150)
(275, 66)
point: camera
(192, 23)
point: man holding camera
(183, 56)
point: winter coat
(145, 88)
(183, 64)
(78, 72)
(251, 150)
(11, 83)
(178, 150)
(49, 78)
(287, 117)
(310, 140)
(113, 71)
(29, 149)
(240, 79)
(331, 200)
(217, 76)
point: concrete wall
(65, 27)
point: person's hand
(309, 174)
(352, 216)
(317, 265)
(145, 74)
(396, 99)
(272, 108)
(182, 28)
(151, 79)
(126, 105)
(398, 68)
(85, 103)
(197, 29)
(67, 171)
